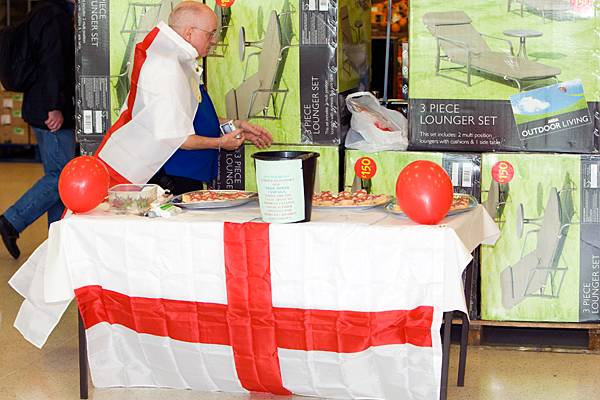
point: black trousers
(177, 184)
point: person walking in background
(48, 107)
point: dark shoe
(9, 237)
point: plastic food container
(131, 198)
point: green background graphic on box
(129, 23)
(354, 43)
(463, 169)
(568, 42)
(551, 101)
(534, 176)
(227, 73)
(327, 165)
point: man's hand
(256, 134)
(232, 140)
(54, 121)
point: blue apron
(200, 165)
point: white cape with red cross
(160, 108)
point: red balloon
(424, 192)
(83, 184)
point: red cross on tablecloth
(249, 322)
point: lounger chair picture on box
(550, 9)
(223, 18)
(496, 201)
(540, 273)
(354, 51)
(459, 43)
(139, 20)
(258, 95)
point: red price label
(503, 172)
(225, 3)
(365, 168)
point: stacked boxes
(463, 168)
(464, 171)
(285, 65)
(523, 82)
(546, 263)
(288, 66)
(13, 129)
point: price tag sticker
(365, 168)
(225, 3)
(503, 172)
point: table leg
(83, 361)
(445, 355)
(523, 47)
(462, 361)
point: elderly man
(152, 140)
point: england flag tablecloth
(333, 308)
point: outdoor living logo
(544, 111)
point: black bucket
(309, 167)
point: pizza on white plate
(348, 199)
(215, 195)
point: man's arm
(258, 135)
(227, 141)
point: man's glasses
(211, 34)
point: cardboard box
(298, 61)
(14, 134)
(5, 117)
(107, 32)
(464, 171)
(32, 137)
(465, 85)
(236, 168)
(463, 168)
(4, 134)
(317, 67)
(11, 100)
(546, 264)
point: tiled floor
(52, 373)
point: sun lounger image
(139, 20)
(257, 95)
(540, 273)
(459, 43)
(223, 16)
(546, 8)
(496, 200)
(354, 51)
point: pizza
(460, 201)
(215, 195)
(348, 199)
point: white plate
(201, 205)
(472, 204)
(355, 208)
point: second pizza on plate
(348, 199)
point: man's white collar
(188, 51)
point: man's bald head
(190, 13)
(188, 16)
